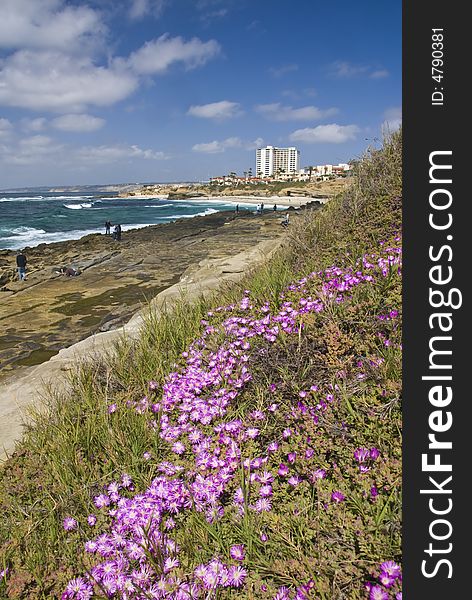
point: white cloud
(37, 149)
(158, 55)
(52, 61)
(78, 122)
(257, 143)
(331, 134)
(379, 74)
(346, 70)
(278, 112)
(216, 110)
(393, 118)
(38, 124)
(5, 127)
(111, 154)
(283, 70)
(56, 82)
(216, 147)
(43, 150)
(47, 24)
(143, 8)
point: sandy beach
(251, 200)
(50, 320)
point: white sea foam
(157, 205)
(69, 197)
(208, 211)
(20, 237)
(78, 206)
(21, 199)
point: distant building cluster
(282, 164)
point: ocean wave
(21, 198)
(157, 205)
(78, 206)
(208, 211)
(69, 197)
(33, 237)
(21, 237)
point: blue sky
(116, 91)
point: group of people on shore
(116, 230)
(22, 261)
(260, 209)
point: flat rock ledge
(29, 387)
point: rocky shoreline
(308, 190)
(49, 311)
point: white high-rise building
(271, 160)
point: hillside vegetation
(247, 446)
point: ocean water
(35, 216)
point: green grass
(75, 446)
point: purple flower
(391, 568)
(263, 505)
(386, 580)
(178, 448)
(101, 500)
(239, 496)
(318, 474)
(265, 477)
(337, 497)
(294, 480)
(252, 432)
(78, 588)
(111, 409)
(374, 492)
(91, 520)
(236, 576)
(266, 491)
(292, 457)
(237, 552)
(374, 453)
(378, 593)
(69, 524)
(283, 470)
(361, 454)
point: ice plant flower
(337, 497)
(283, 470)
(91, 520)
(78, 588)
(378, 593)
(237, 552)
(391, 568)
(206, 446)
(69, 524)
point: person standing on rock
(117, 232)
(21, 261)
(275, 207)
(107, 227)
